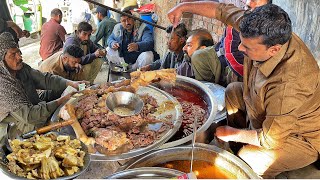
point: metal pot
(202, 152)
(206, 131)
(146, 173)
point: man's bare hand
(75, 84)
(115, 46)
(133, 47)
(227, 133)
(145, 68)
(65, 98)
(100, 53)
(175, 15)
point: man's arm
(227, 133)
(38, 114)
(101, 31)
(47, 81)
(227, 13)
(146, 43)
(111, 40)
(62, 33)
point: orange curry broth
(203, 169)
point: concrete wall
(305, 17)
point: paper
(113, 56)
(68, 90)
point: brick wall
(192, 21)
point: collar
(269, 65)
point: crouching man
(133, 44)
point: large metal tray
(160, 96)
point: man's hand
(175, 15)
(145, 68)
(115, 46)
(25, 33)
(75, 84)
(100, 53)
(65, 98)
(133, 47)
(227, 133)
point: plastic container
(147, 17)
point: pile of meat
(191, 112)
(113, 132)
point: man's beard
(68, 68)
(84, 42)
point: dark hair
(204, 37)
(56, 12)
(269, 2)
(84, 26)
(126, 11)
(180, 30)
(269, 21)
(73, 50)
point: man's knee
(145, 58)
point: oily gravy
(202, 169)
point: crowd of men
(272, 79)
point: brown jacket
(282, 94)
(54, 65)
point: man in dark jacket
(92, 54)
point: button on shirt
(282, 94)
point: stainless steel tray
(160, 96)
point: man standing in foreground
(280, 93)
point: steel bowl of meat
(198, 103)
(124, 103)
(210, 162)
(49, 156)
(113, 137)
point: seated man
(134, 44)
(205, 63)
(52, 35)
(275, 111)
(19, 100)
(92, 54)
(175, 58)
(105, 27)
(64, 63)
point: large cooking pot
(202, 152)
(206, 131)
(146, 173)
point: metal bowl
(146, 173)
(206, 131)
(124, 103)
(203, 152)
(116, 69)
(5, 170)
